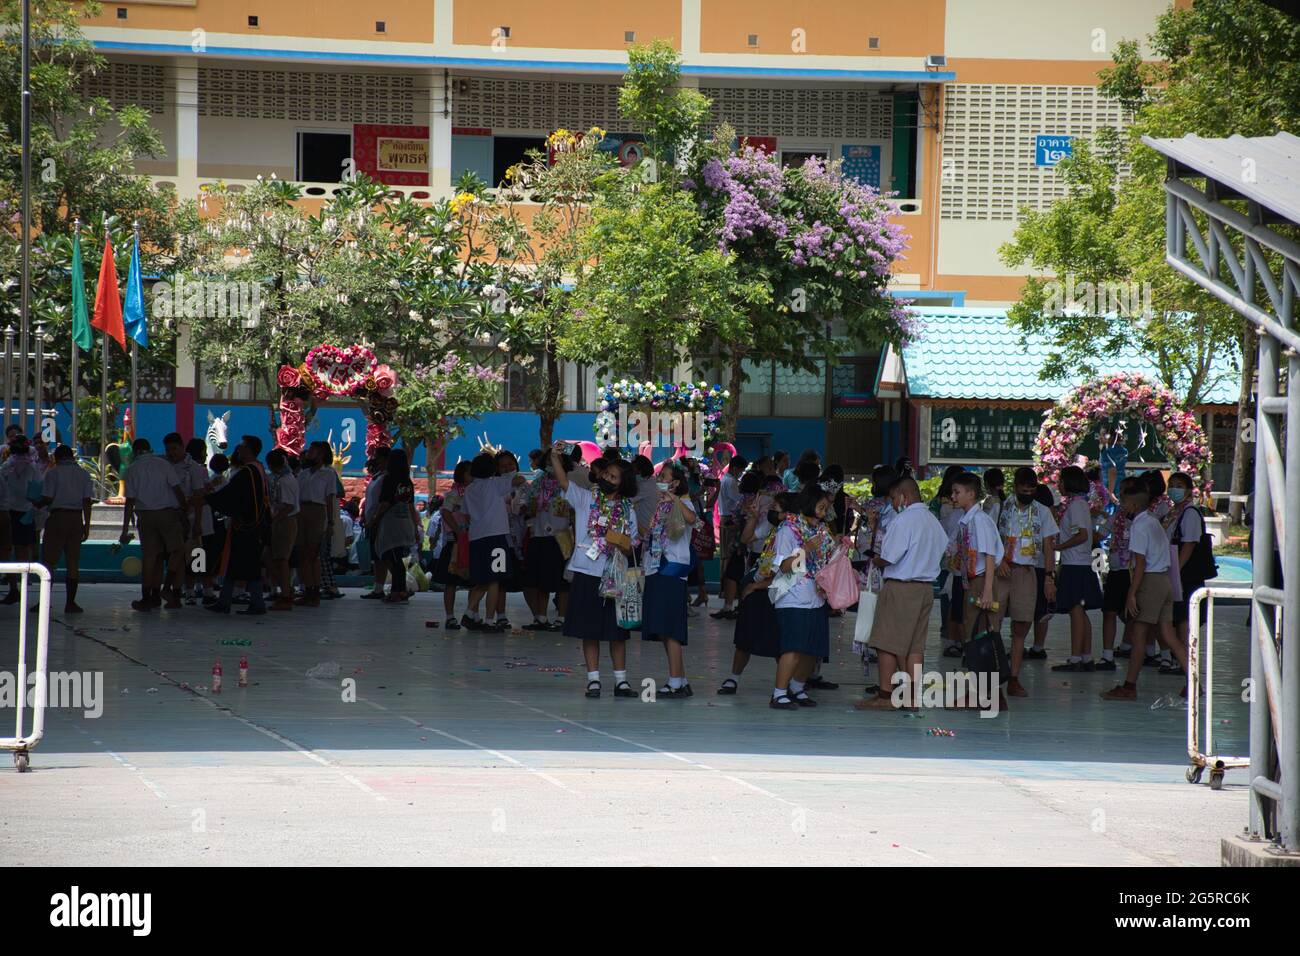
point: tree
(433, 401)
(669, 116)
(1221, 67)
(83, 150)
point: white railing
(1216, 763)
(20, 743)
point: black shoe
(821, 683)
(1069, 666)
(469, 624)
(723, 615)
(1174, 668)
(952, 650)
(209, 600)
(1152, 660)
(803, 700)
(784, 702)
(685, 691)
(217, 608)
(501, 625)
(729, 686)
(667, 693)
(252, 611)
(1122, 652)
(624, 689)
(1087, 666)
(242, 599)
(593, 689)
(452, 623)
(13, 597)
(1035, 653)
(871, 690)
(536, 625)
(1104, 665)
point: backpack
(1201, 566)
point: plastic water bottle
(216, 677)
(243, 672)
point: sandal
(624, 689)
(821, 683)
(372, 596)
(803, 700)
(593, 689)
(729, 686)
(784, 702)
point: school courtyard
(463, 748)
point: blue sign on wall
(1049, 150)
(863, 164)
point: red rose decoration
(385, 377)
(288, 377)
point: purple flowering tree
(434, 401)
(819, 243)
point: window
(509, 151)
(873, 43)
(753, 39)
(121, 13)
(629, 36)
(381, 26)
(797, 157)
(252, 22)
(800, 394)
(321, 156)
(503, 32)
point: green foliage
(434, 401)
(669, 115)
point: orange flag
(108, 304)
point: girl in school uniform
(603, 520)
(801, 547)
(756, 633)
(455, 522)
(1077, 588)
(549, 532)
(491, 558)
(733, 569)
(667, 563)
(517, 531)
(1184, 525)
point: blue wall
(514, 430)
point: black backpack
(1201, 566)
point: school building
(961, 108)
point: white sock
(779, 692)
(797, 686)
(593, 675)
(676, 682)
(736, 678)
(620, 677)
(1166, 656)
(1125, 646)
(1075, 658)
(1107, 655)
(1085, 658)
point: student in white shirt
(375, 469)
(491, 556)
(550, 533)
(667, 560)
(16, 473)
(1028, 533)
(192, 488)
(155, 498)
(603, 520)
(1150, 596)
(204, 582)
(975, 543)
(994, 494)
(730, 521)
(68, 492)
(284, 506)
(910, 554)
(1077, 589)
(801, 547)
(316, 504)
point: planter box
(1217, 527)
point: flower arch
(1130, 395)
(695, 398)
(333, 372)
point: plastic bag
(611, 579)
(838, 580)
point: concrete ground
(468, 749)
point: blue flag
(133, 310)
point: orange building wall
(831, 27)
(569, 24)
(406, 21)
(1031, 72)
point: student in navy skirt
(756, 633)
(600, 512)
(1077, 589)
(801, 547)
(667, 564)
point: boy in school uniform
(976, 543)
(910, 553)
(1150, 601)
(1028, 532)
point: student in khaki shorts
(976, 542)
(910, 553)
(1150, 594)
(155, 499)
(1028, 533)
(284, 525)
(67, 491)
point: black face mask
(1025, 499)
(774, 517)
(607, 486)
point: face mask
(1023, 498)
(607, 486)
(661, 485)
(1177, 494)
(774, 517)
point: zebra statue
(216, 437)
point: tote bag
(866, 611)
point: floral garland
(332, 372)
(1123, 394)
(696, 397)
(804, 530)
(606, 514)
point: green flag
(82, 337)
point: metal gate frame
(1235, 255)
(1217, 763)
(21, 743)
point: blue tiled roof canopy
(974, 354)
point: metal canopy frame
(1236, 254)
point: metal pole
(1262, 618)
(9, 373)
(38, 395)
(1289, 739)
(27, 212)
(135, 350)
(76, 360)
(103, 402)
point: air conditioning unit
(936, 60)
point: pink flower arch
(332, 372)
(1131, 396)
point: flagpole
(103, 402)
(135, 346)
(76, 353)
(27, 213)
